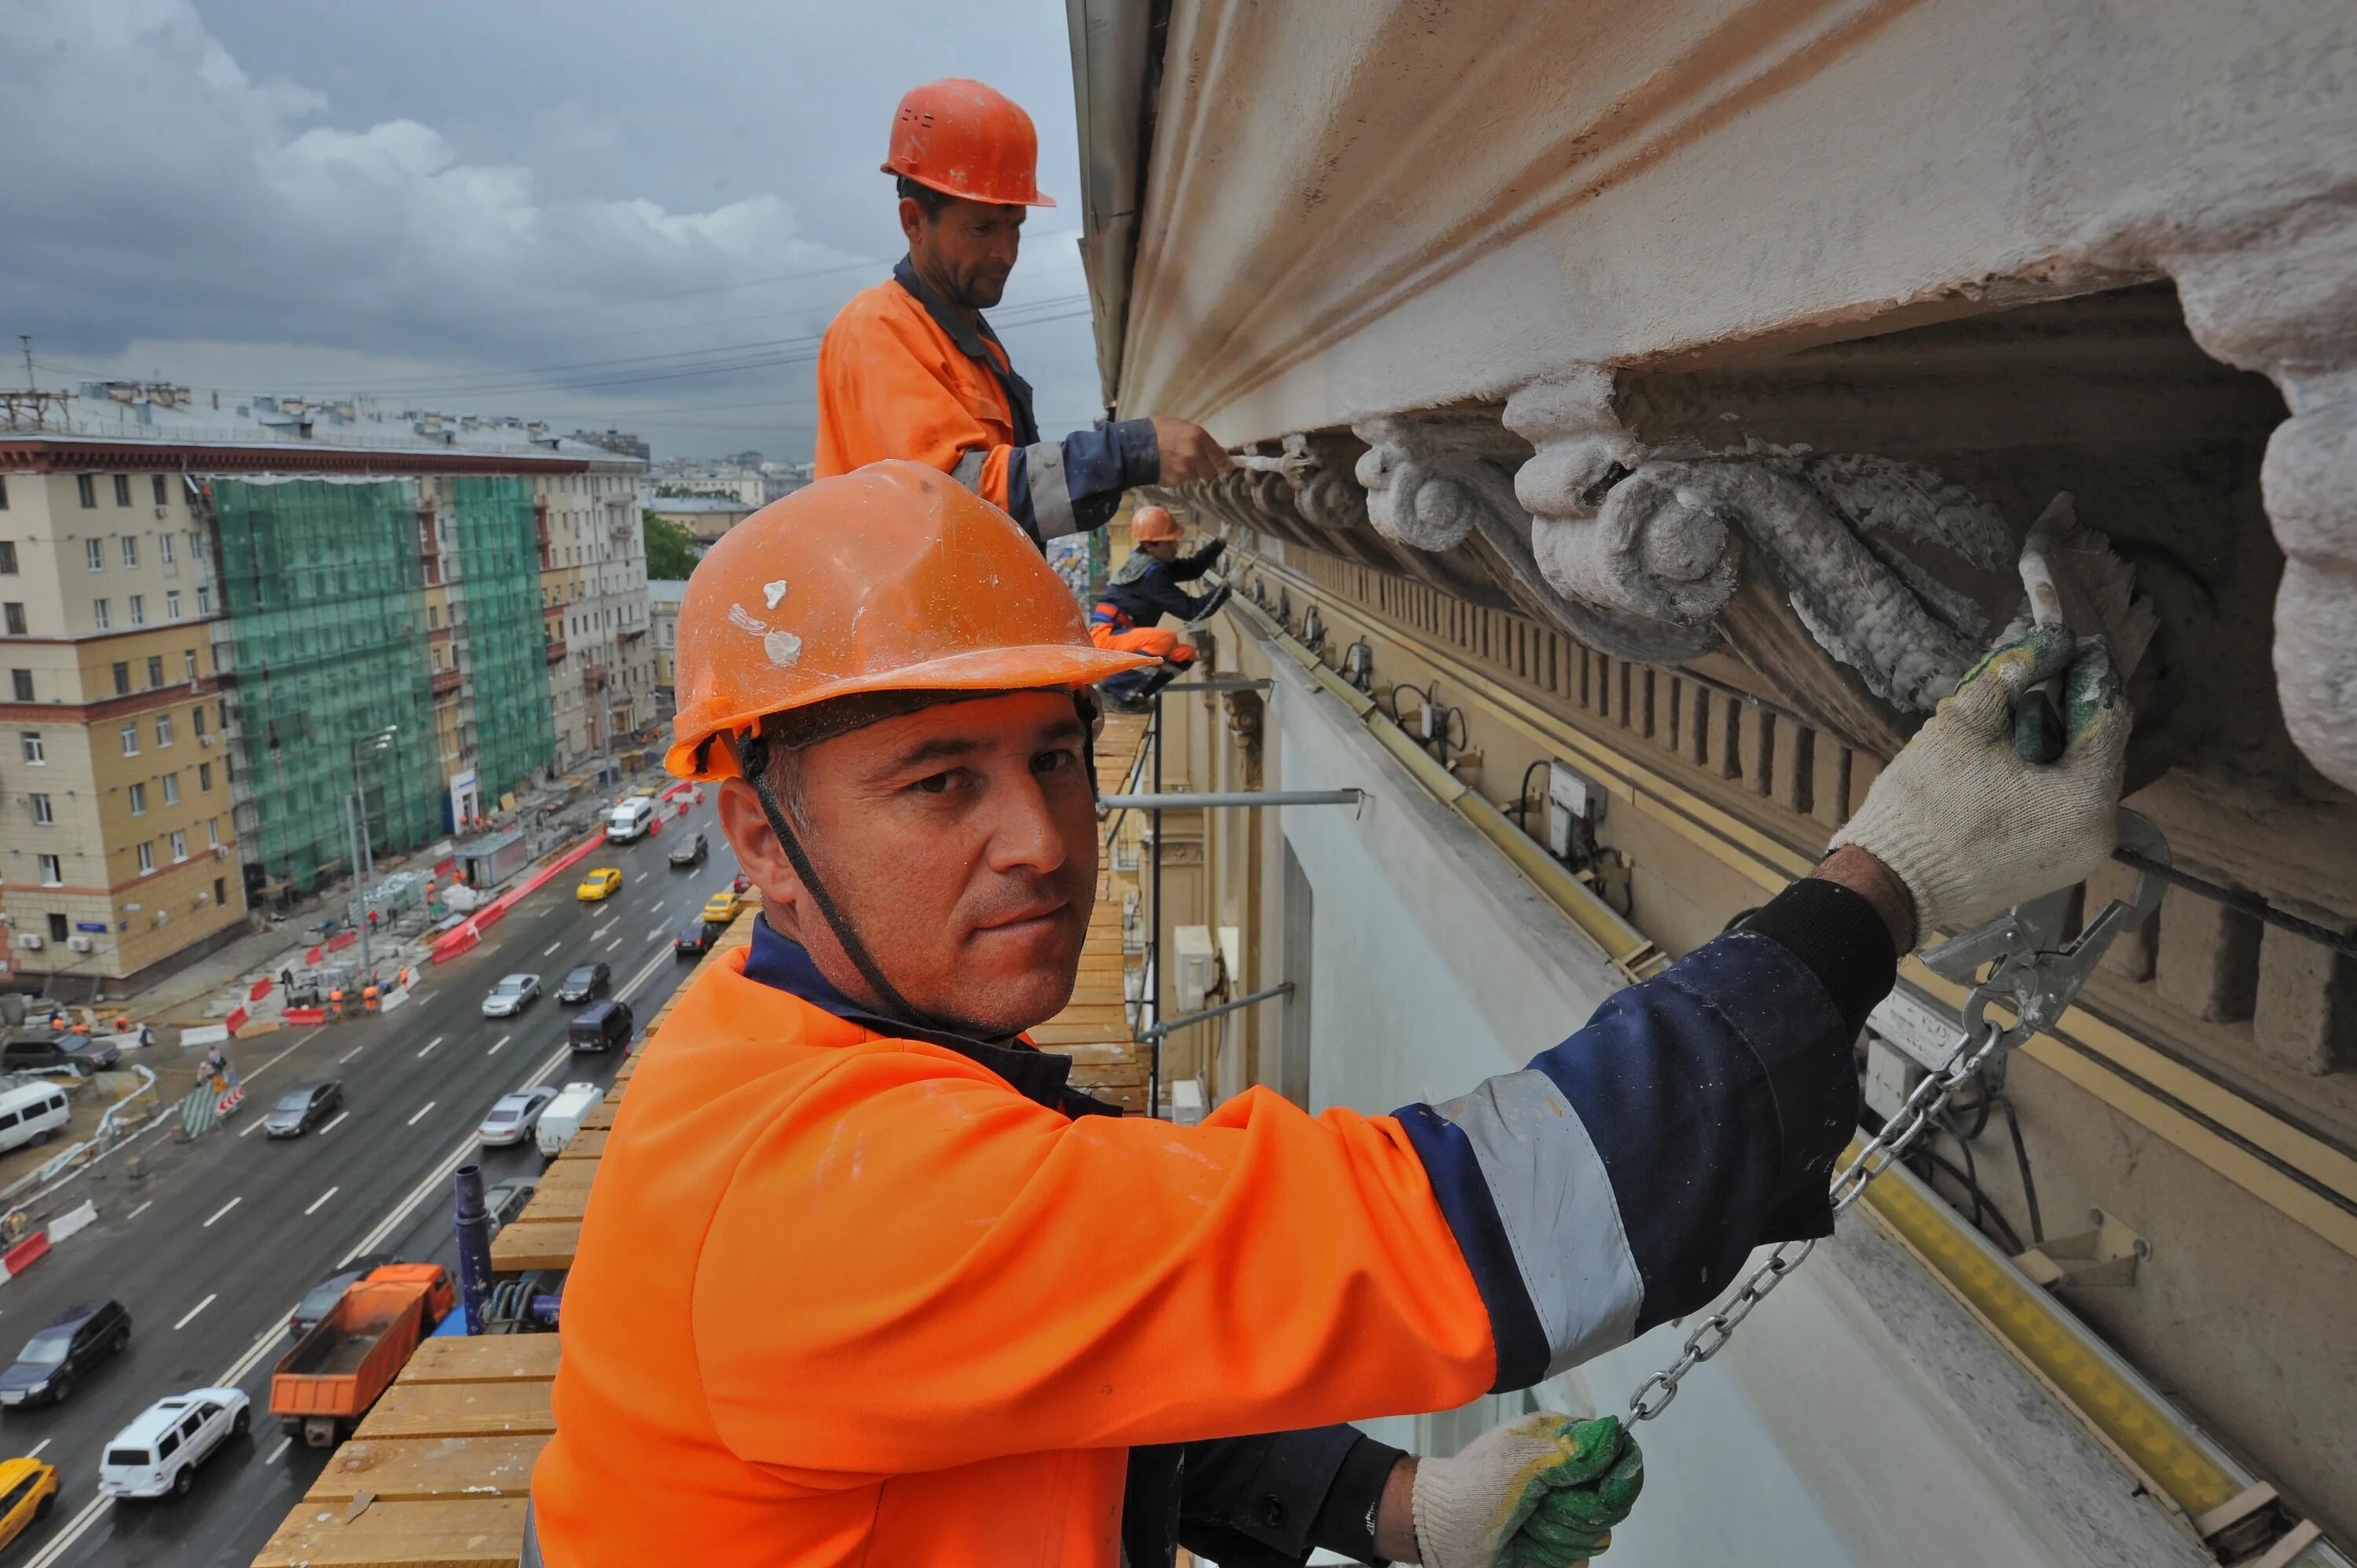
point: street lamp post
(364, 853)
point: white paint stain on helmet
(743, 620)
(773, 592)
(782, 647)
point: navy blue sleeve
(1266, 1501)
(1055, 488)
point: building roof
(661, 592)
(700, 503)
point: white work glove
(1538, 1492)
(1970, 827)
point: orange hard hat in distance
(893, 577)
(966, 139)
(1153, 525)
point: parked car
(601, 884)
(691, 850)
(584, 982)
(28, 1490)
(600, 1027)
(513, 1118)
(694, 940)
(32, 1114)
(47, 1050)
(505, 1200)
(301, 1106)
(158, 1452)
(46, 1369)
(724, 906)
(511, 995)
(324, 1296)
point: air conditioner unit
(78, 944)
(28, 938)
(220, 850)
(163, 511)
(204, 740)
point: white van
(30, 1114)
(160, 1450)
(628, 821)
(564, 1116)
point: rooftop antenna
(27, 340)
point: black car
(300, 1107)
(41, 1050)
(330, 1290)
(602, 1026)
(588, 981)
(694, 940)
(690, 851)
(84, 1335)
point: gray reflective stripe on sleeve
(1555, 1202)
(1051, 493)
(968, 471)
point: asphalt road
(212, 1252)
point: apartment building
(593, 578)
(663, 613)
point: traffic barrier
(303, 1015)
(80, 1218)
(205, 1034)
(341, 940)
(313, 956)
(462, 941)
(261, 988)
(232, 1023)
(24, 1254)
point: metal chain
(1885, 1150)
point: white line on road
(657, 934)
(336, 1124)
(646, 973)
(658, 906)
(280, 1452)
(552, 947)
(612, 945)
(427, 1048)
(351, 1054)
(190, 1316)
(641, 876)
(44, 1443)
(140, 1210)
(599, 928)
(252, 1127)
(224, 1208)
(75, 1529)
(503, 1040)
(322, 1198)
(421, 1110)
(436, 1179)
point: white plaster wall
(1862, 1418)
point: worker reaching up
(864, 1282)
(1146, 587)
(911, 369)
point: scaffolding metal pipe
(474, 1225)
(1154, 940)
(1157, 801)
(1282, 988)
(1221, 684)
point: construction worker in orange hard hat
(1143, 589)
(911, 369)
(864, 1281)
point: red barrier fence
(24, 1254)
(238, 1020)
(341, 940)
(261, 988)
(466, 936)
(305, 1015)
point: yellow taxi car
(602, 882)
(28, 1490)
(723, 907)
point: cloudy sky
(595, 212)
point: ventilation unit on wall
(28, 938)
(78, 944)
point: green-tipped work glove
(1538, 1492)
(1970, 827)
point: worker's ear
(912, 221)
(758, 854)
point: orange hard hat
(965, 139)
(1152, 524)
(893, 577)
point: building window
(204, 776)
(43, 816)
(123, 490)
(87, 489)
(179, 846)
(4, 492)
(196, 714)
(7, 546)
(172, 603)
(204, 599)
(154, 670)
(131, 740)
(171, 788)
(189, 664)
(131, 550)
(163, 730)
(212, 833)
(21, 681)
(138, 609)
(14, 613)
(163, 498)
(146, 858)
(122, 678)
(221, 893)
(58, 927)
(101, 615)
(93, 555)
(28, 742)
(53, 874)
(434, 618)
(139, 799)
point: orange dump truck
(328, 1381)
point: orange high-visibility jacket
(843, 1298)
(899, 375)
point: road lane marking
(641, 876)
(657, 934)
(190, 1316)
(429, 1049)
(44, 1443)
(421, 1110)
(224, 1208)
(599, 929)
(436, 1180)
(336, 1124)
(351, 1054)
(280, 1452)
(612, 945)
(322, 1198)
(503, 1040)
(645, 973)
(552, 947)
(252, 1127)
(75, 1529)
(140, 1210)
(658, 906)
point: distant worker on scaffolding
(1129, 618)
(910, 369)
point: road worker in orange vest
(866, 1282)
(911, 369)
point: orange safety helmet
(1153, 525)
(968, 140)
(893, 577)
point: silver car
(511, 1121)
(511, 995)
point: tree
(671, 549)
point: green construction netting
(503, 647)
(326, 599)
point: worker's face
(960, 842)
(1161, 549)
(966, 250)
